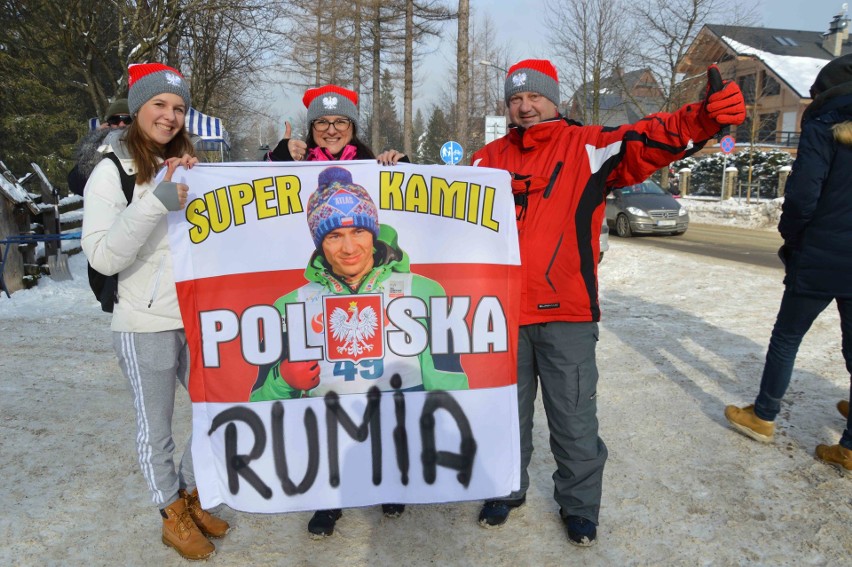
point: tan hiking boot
(744, 421)
(836, 455)
(181, 533)
(843, 408)
(210, 525)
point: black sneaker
(322, 524)
(393, 510)
(581, 531)
(495, 512)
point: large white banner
(311, 390)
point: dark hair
(145, 152)
(362, 150)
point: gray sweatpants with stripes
(154, 363)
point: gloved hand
(303, 376)
(724, 102)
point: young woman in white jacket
(131, 240)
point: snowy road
(755, 247)
(680, 487)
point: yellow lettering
(264, 196)
(390, 190)
(488, 210)
(217, 202)
(417, 195)
(195, 215)
(473, 203)
(288, 187)
(241, 195)
(448, 199)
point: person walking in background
(816, 224)
(332, 136)
(87, 154)
(560, 174)
(130, 239)
(332, 131)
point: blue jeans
(795, 316)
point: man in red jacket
(560, 174)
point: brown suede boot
(181, 533)
(836, 455)
(843, 408)
(744, 421)
(210, 525)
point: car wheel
(622, 227)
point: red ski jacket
(560, 173)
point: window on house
(743, 132)
(746, 83)
(785, 41)
(768, 127)
(769, 86)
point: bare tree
(590, 36)
(421, 20)
(670, 26)
(463, 75)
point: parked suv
(645, 208)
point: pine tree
(438, 132)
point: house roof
(614, 107)
(794, 56)
(776, 41)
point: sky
(526, 38)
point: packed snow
(682, 335)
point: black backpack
(104, 287)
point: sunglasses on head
(117, 119)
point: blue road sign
(451, 153)
(727, 144)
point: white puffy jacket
(131, 241)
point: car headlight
(637, 212)
(682, 212)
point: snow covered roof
(798, 72)
(13, 191)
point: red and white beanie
(331, 100)
(534, 76)
(147, 80)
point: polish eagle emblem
(519, 79)
(352, 328)
(329, 102)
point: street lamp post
(497, 105)
(495, 126)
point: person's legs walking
(840, 455)
(795, 317)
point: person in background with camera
(87, 154)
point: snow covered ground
(681, 337)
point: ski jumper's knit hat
(535, 76)
(147, 80)
(331, 100)
(339, 203)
